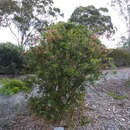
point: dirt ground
(107, 111)
(108, 102)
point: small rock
(123, 119)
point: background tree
(124, 8)
(95, 19)
(12, 60)
(26, 16)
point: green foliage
(85, 121)
(67, 56)
(11, 59)
(94, 19)
(13, 86)
(121, 57)
(29, 68)
(28, 17)
(116, 96)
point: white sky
(67, 7)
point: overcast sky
(68, 6)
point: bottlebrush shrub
(67, 56)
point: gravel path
(109, 113)
(105, 112)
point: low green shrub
(13, 86)
(121, 57)
(11, 59)
(67, 56)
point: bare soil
(105, 112)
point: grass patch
(85, 121)
(13, 86)
(118, 97)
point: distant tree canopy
(123, 6)
(94, 19)
(26, 16)
(12, 60)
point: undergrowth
(116, 96)
(13, 86)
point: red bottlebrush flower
(51, 30)
(93, 36)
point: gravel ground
(109, 113)
(106, 112)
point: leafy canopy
(67, 56)
(12, 59)
(25, 16)
(94, 19)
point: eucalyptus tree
(124, 9)
(25, 17)
(94, 19)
